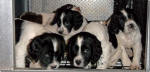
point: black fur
(116, 24)
(67, 6)
(71, 20)
(18, 25)
(89, 43)
(33, 17)
(41, 49)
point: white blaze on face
(55, 44)
(79, 55)
(62, 28)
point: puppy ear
(63, 46)
(115, 24)
(76, 9)
(33, 50)
(70, 44)
(96, 52)
(77, 20)
(33, 17)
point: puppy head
(122, 20)
(84, 48)
(67, 18)
(47, 49)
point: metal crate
(7, 29)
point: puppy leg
(116, 55)
(137, 49)
(88, 66)
(104, 59)
(35, 65)
(125, 59)
(21, 51)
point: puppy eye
(86, 50)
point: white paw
(135, 66)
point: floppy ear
(63, 46)
(33, 17)
(33, 50)
(77, 20)
(70, 48)
(96, 52)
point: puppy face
(47, 49)
(67, 18)
(83, 49)
(121, 21)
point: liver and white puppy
(84, 50)
(99, 29)
(69, 20)
(45, 51)
(124, 33)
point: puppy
(99, 29)
(84, 50)
(124, 33)
(27, 31)
(31, 25)
(47, 50)
(69, 20)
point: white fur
(100, 31)
(130, 38)
(29, 31)
(79, 55)
(55, 44)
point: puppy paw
(135, 67)
(101, 67)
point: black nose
(78, 62)
(131, 25)
(60, 32)
(53, 67)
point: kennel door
(91, 9)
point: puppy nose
(131, 25)
(60, 32)
(78, 62)
(53, 67)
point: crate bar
(148, 40)
(6, 34)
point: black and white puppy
(84, 50)
(124, 33)
(30, 26)
(45, 51)
(69, 20)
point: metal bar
(148, 40)
(6, 34)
